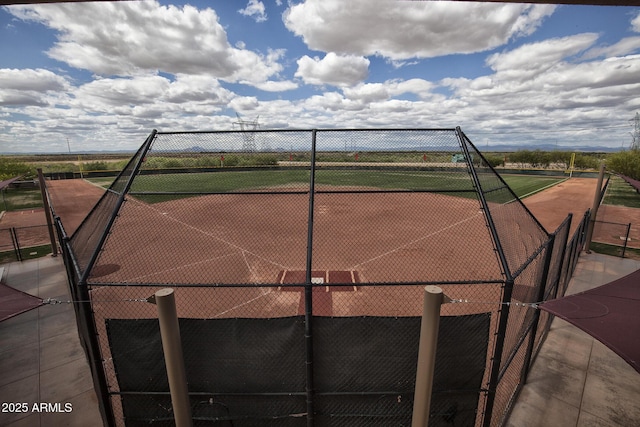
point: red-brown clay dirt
(552, 206)
(72, 200)
(241, 245)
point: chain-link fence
(611, 237)
(299, 260)
(20, 243)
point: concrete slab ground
(41, 359)
(576, 380)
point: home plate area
(322, 289)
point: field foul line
(542, 189)
(449, 178)
(244, 303)
(417, 240)
(246, 261)
(233, 245)
(183, 266)
(539, 190)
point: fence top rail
(307, 130)
(26, 226)
(613, 223)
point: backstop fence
(298, 260)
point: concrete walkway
(575, 380)
(41, 360)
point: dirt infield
(72, 200)
(252, 238)
(575, 196)
(614, 233)
(237, 238)
(23, 218)
(552, 206)
(30, 227)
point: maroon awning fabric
(8, 182)
(14, 302)
(610, 313)
(633, 182)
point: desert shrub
(95, 166)
(10, 168)
(625, 163)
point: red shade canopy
(14, 302)
(632, 182)
(610, 313)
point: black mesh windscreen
(253, 370)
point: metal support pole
(16, 243)
(308, 290)
(536, 314)
(47, 212)
(497, 351)
(174, 360)
(626, 239)
(433, 299)
(594, 210)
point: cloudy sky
(103, 75)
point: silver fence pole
(174, 359)
(433, 299)
(594, 209)
(626, 240)
(47, 212)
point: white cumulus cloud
(21, 87)
(635, 23)
(403, 30)
(336, 70)
(546, 53)
(133, 37)
(254, 9)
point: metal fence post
(308, 289)
(16, 243)
(594, 210)
(433, 299)
(47, 212)
(174, 359)
(497, 351)
(626, 239)
(536, 314)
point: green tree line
(562, 159)
(624, 162)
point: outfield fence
(299, 286)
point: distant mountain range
(548, 147)
(507, 148)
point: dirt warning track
(552, 206)
(72, 200)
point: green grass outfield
(453, 180)
(528, 185)
(620, 193)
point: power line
(542, 132)
(635, 143)
(248, 136)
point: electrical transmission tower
(635, 144)
(248, 135)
